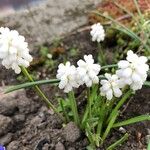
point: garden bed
(31, 126)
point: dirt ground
(26, 123)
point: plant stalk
(102, 56)
(74, 107)
(41, 94)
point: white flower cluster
(67, 76)
(110, 86)
(97, 32)
(86, 73)
(14, 50)
(133, 70)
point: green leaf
(119, 142)
(139, 11)
(120, 103)
(30, 84)
(110, 124)
(132, 120)
(147, 83)
(134, 36)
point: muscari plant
(105, 93)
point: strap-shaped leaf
(118, 142)
(132, 120)
(30, 84)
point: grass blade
(132, 120)
(138, 10)
(119, 104)
(119, 142)
(30, 84)
(125, 10)
(110, 125)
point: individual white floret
(133, 70)
(110, 86)
(97, 32)
(14, 50)
(67, 76)
(87, 71)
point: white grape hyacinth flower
(110, 86)
(97, 32)
(133, 70)
(87, 71)
(67, 76)
(14, 50)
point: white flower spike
(67, 76)
(133, 70)
(97, 32)
(87, 71)
(14, 50)
(110, 86)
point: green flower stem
(118, 142)
(45, 99)
(101, 119)
(120, 103)
(64, 111)
(109, 66)
(74, 107)
(85, 116)
(89, 103)
(102, 56)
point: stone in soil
(71, 132)
(16, 102)
(6, 139)
(59, 146)
(14, 145)
(6, 124)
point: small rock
(59, 146)
(6, 124)
(36, 121)
(8, 104)
(122, 130)
(71, 132)
(147, 138)
(45, 147)
(6, 139)
(16, 101)
(25, 105)
(14, 145)
(19, 118)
